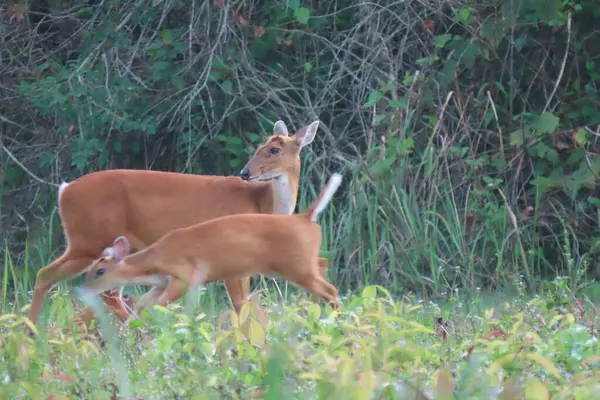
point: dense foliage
(375, 348)
(467, 131)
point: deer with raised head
(225, 248)
(144, 205)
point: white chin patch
(265, 177)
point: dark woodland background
(467, 131)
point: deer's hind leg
(238, 290)
(325, 290)
(312, 279)
(323, 267)
(67, 266)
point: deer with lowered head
(142, 206)
(229, 247)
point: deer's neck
(285, 194)
(144, 268)
(142, 261)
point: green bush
(373, 347)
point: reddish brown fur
(229, 247)
(145, 205)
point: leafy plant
(374, 346)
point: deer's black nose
(245, 174)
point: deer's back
(98, 207)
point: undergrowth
(374, 346)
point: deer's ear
(120, 248)
(280, 129)
(107, 252)
(307, 134)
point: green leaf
(542, 150)
(543, 183)
(136, 323)
(419, 327)
(499, 163)
(546, 123)
(388, 87)
(427, 61)
(464, 14)
(448, 72)
(177, 82)
(261, 48)
(441, 40)
(399, 103)
(254, 137)
(544, 362)
(166, 35)
(406, 146)
(162, 309)
(520, 43)
(317, 22)
(374, 97)
(308, 66)
(314, 312)
(257, 334)
(227, 86)
(218, 63)
(369, 292)
(581, 137)
(234, 141)
(302, 14)
(594, 201)
(500, 87)
(382, 166)
(535, 390)
(293, 4)
(516, 138)
(160, 66)
(215, 75)
(235, 162)
(576, 156)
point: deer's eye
(101, 272)
(274, 151)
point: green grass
(374, 347)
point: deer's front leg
(174, 291)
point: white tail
(93, 208)
(325, 197)
(61, 189)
